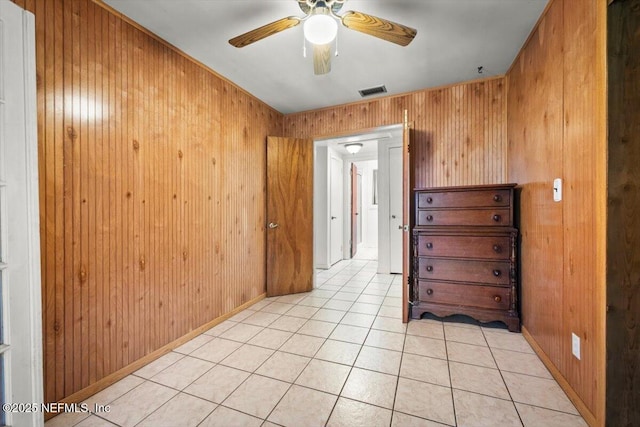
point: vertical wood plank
(89, 201)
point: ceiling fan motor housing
(308, 5)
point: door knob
(273, 225)
(334, 217)
(393, 216)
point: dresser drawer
(491, 297)
(463, 246)
(465, 217)
(464, 199)
(491, 272)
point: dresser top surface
(468, 187)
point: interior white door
(395, 209)
(20, 287)
(336, 188)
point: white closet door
(336, 208)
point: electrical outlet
(575, 345)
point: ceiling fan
(320, 28)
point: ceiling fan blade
(378, 27)
(264, 31)
(321, 58)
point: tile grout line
(453, 400)
(502, 377)
(351, 366)
(395, 395)
(348, 375)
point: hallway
(366, 254)
(339, 356)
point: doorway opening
(358, 200)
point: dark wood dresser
(464, 253)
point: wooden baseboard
(564, 384)
(105, 382)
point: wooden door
(354, 209)
(289, 216)
(407, 185)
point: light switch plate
(557, 189)
(575, 345)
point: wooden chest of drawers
(464, 254)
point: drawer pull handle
(429, 200)
(429, 245)
(429, 268)
(497, 298)
(496, 218)
(496, 273)
(429, 291)
(429, 218)
(497, 248)
(497, 198)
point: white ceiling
(454, 38)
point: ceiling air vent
(372, 91)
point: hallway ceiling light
(353, 148)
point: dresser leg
(513, 324)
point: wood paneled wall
(623, 224)
(152, 192)
(557, 129)
(459, 135)
(534, 122)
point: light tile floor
(339, 356)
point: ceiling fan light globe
(353, 148)
(320, 29)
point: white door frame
(336, 209)
(359, 224)
(20, 238)
(321, 190)
(395, 218)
